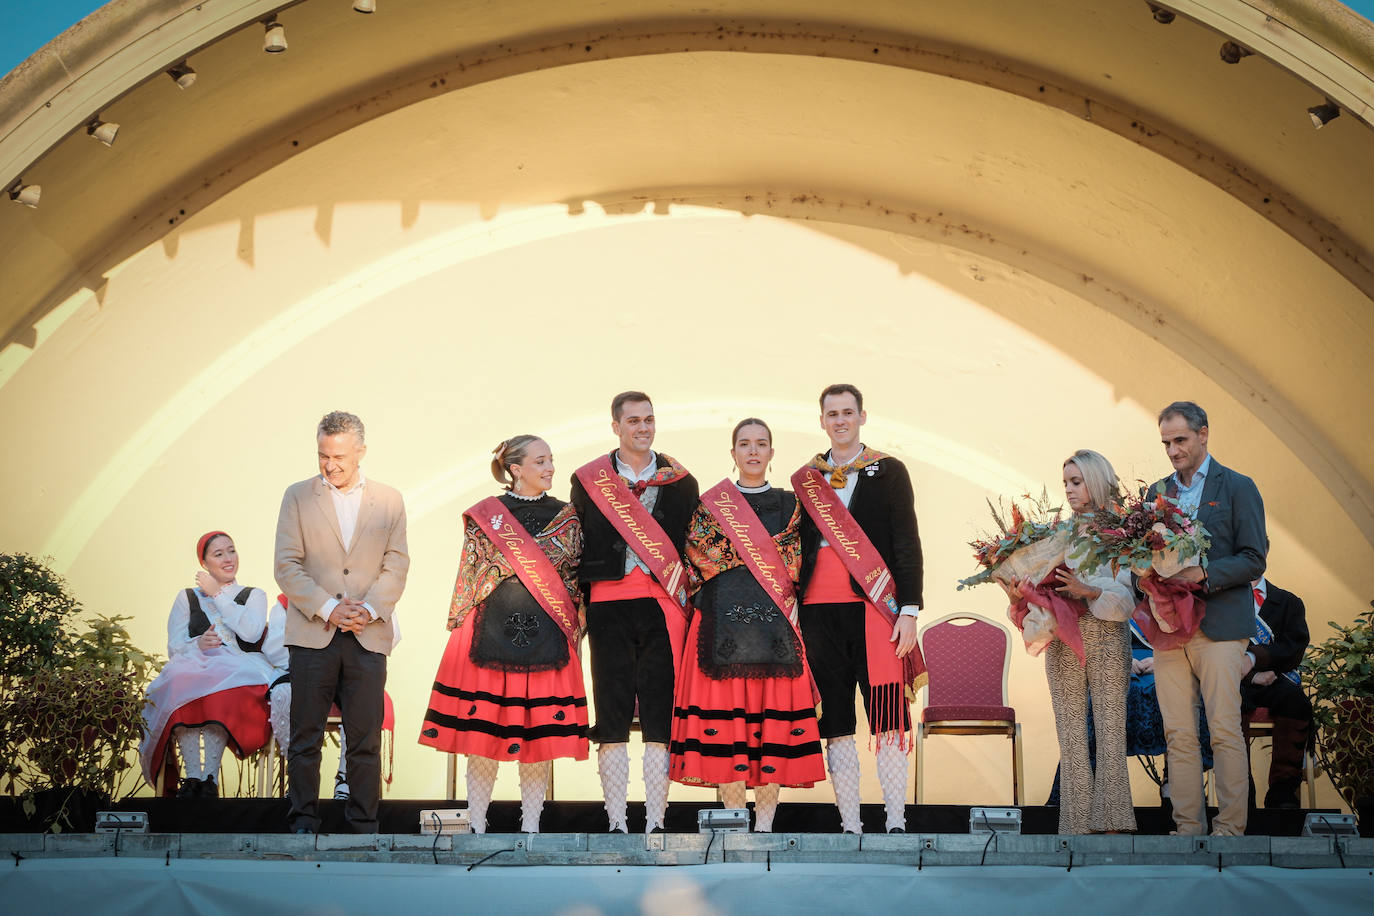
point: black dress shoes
(189, 788)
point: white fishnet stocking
(534, 785)
(892, 777)
(613, 765)
(765, 806)
(842, 757)
(481, 781)
(655, 785)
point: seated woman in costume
(1089, 661)
(212, 692)
(745, 710)
(509, 686)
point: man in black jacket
(835, 618)
(635, 627)
(1272, 683)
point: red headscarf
(204, 542)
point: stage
(723, 874)
(231, 856)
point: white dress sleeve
(247, 620)
(274, 645)
(178, 643)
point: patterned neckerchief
(668, 473)
(839, 472)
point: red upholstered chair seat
(935, 714)
(1259, 716)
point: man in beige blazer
(341, 561)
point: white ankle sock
(613, 765)
(842, 757)
(481, 781)
(892, 778)
(534, 784)
(343, 754)
(655, 785)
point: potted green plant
(1338, 675)
(70, 701)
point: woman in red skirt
(509, 686)
(745, 710)
(212, 693)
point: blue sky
(30, 24)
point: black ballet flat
(896, 830)
(208, 788)
(189, 788)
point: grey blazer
(1233, 514)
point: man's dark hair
(843, 389)
(626, 397)
(1194, 415)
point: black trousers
(631, 660)
(837, 651)
(358, 677)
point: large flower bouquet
(1145, 532)
(1029, 542)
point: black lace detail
(742, 633)
(512, 633)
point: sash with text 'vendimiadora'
(645, 536)
(753, 544)
(534, 569)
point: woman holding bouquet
(745, 710)
(1093, 662)
(509, 685)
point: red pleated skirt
(504, 715)
(241, 710)
(759, 730)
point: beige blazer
(313, 564)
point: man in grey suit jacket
(1212, 663)
(341, 561)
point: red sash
(532, 566)
(860, 558)
(642, 534)
(753, 544)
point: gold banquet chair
(968, 658)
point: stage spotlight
(365, 6)
(26, 194)
(1232, 52)
(183, 75)
(274, 42)
(1323, 115)
(1162, 16)
(104, 131)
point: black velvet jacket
(603, 549)
(1287, 617)
(885, 508)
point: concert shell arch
(1020, 228)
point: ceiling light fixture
(182, 75)
(1162, 16)
(274, 42)
(1232, 52)
(104, 131)
(26, 194)
(1323, 115)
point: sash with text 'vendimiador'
(753, 544)
(860, 558)
(531, 565)
(642, 533)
